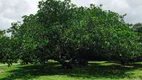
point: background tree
(138, 28)
(8, 49)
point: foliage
(64, 32)
(138, 28)
(8, 48)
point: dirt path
(6, 64)
(1, 70)
(3, 64)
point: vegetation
(72, 36)
(102, 70)
(138, 28)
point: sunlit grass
(96, 70)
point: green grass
(53, 71)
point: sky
(13, 10)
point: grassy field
(53, 71)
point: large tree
(64, 32)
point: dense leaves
(64, 32)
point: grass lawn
(102, 70)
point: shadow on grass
(97, 70)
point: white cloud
(33, 5)
(13, 10)
(83, 2)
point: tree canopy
(62, 31)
